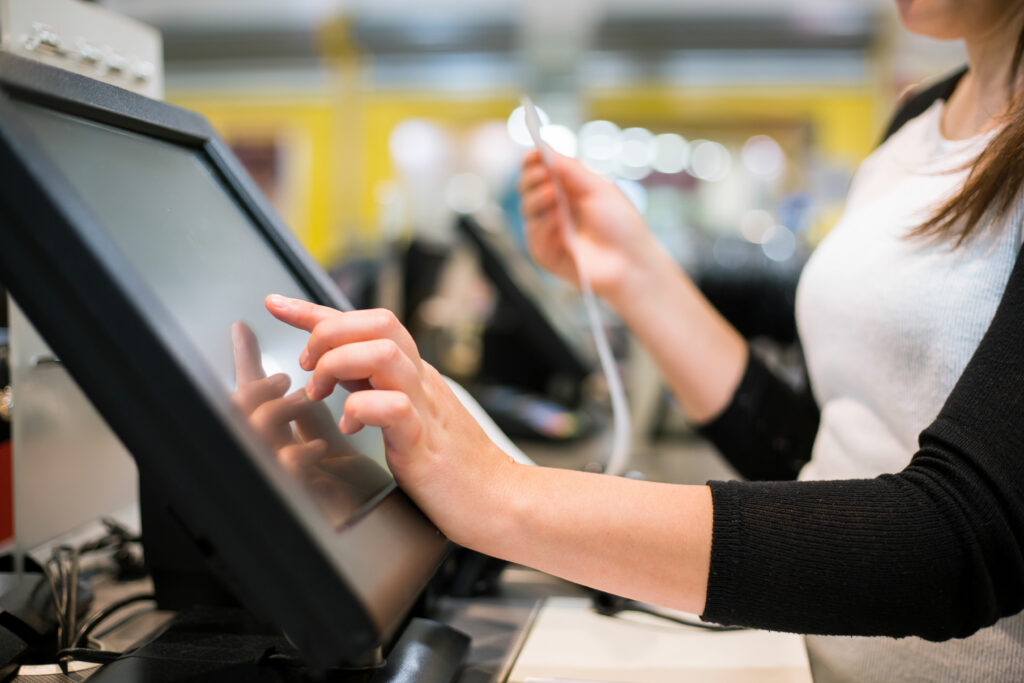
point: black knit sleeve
(935, 550)
(767, 430)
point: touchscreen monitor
(143, 253)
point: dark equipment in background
(535, 367)
(529, 342)
(758, 298)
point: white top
(888, 324)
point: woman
(892, 307)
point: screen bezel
(337, 595)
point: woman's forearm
(644, 540)
(701, 355)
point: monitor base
(228, 646)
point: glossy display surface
(169, 215)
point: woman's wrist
(488, 516)
(646, 273)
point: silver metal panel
(86, 39)
(69, 468)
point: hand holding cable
(597, 257)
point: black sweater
(936, 550)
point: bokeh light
(671, 153)
(710, 161)
(517, 129)
(466, 193)
(418, 146)
(599, 145)
(491, 153)
(779, 244)
(757, 225)
(636, 154)
(561, 138)
(763, 157)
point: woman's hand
(437, 452)
(642, 540)
(613, 240)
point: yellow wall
(340, 137)
(347, 143)
(846, 120)
(304, 124)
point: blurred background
(386, 135)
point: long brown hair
(996, 176)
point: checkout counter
(141, 252)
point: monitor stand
(228, 645)
(214, 638)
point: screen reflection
(303, 434)
(208, 267)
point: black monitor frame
(338, 595)
(570, 361)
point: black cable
(66, 595)
(58, 608)
(72, 605)
(58, 573)
(117, 535)
(62, 572)
(118, 539)
(96, 619)
(85, 654)
(276, 656)
(610, 605)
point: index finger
(330, 328)
(304, 315)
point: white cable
(618, 460)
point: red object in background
(6, 494)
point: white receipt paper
(618, 460)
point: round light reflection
(466, 193)
(491, 153)
(710, 160)
(763, 157)
(636, 154)
(757, 226)
(418, 145)
(599, 145)
(671, 153)
(780, 244)
(517, 129)
(561, 139)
